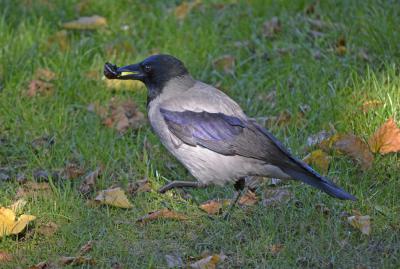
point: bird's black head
(155, 71)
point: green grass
(333, 86)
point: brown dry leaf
(248, 199)
(122, 115)
(318, 159)
(79, 260)
(139, 186)
(184, 9)
(214, 207)
(33, 189)
(164, 213)
(86, 23)
(371, 104)
(354, 147)
(323, 209)
(87, 185)
(209, 262)
(386, 139)
(114, 197)
(225, 63)
(272, 27)
(275, 249)
(10, 224)
(5, 257)
(283, 118)
(274, 197)
(86, 247)
(341, 46)
(72, 171)
(39, 87)
(363, 223)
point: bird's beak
(132, 71)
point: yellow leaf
(363, 223)
(370, 104)
(209, 262)
(86, 23)
(318, 159)
(116, 84)
(10, 225)
(114, 197)
(162, 214)
(386, 139)
(276, 248)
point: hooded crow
(209, 133)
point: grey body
(184, 93)
(209, 133)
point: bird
(209, 133)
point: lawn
(326, 59)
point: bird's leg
(239, 187)
(180, 184)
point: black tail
(319, 182)
(300, 170)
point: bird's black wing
(229, 135)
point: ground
(329, 58)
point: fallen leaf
(43, 142)
(44, 74)
(87, 185)
(272, 27)
(79, 260)
(48, 229)
(214, 207)
(363, 223)
(86, 23)
(10, 224)
(371, 104)
(386, 139)
(86, 247)
(318, 159)
(184, 9)
(114, 197)
(341, 46)
(248, 199)
(274, 197)
(122, 115)
(40, 87)
(225, 63)
(354, 147)
(164, 213)
(33, 189)
(5, 257)
(275, 249)
(174, 261)
(72, 171)
(209, 262)
(139, 186)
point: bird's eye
(147, 68)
